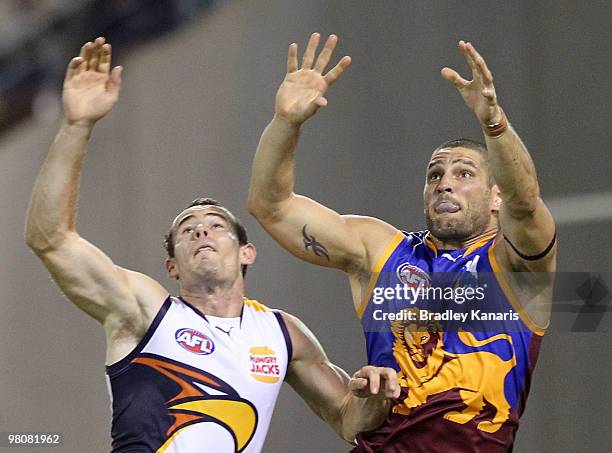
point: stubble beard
(474, 221)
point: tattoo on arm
(310, 241)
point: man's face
(459, 203)
(206, 246)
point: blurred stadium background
(37, 36)
(199, 83)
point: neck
(216, 300)
(456, 244)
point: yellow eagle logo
(193, 405)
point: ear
(171, 268)
(496, 199)
(247, 254)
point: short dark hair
(465, 143)
(474, 145)
(234, 221)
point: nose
(445, 184)
(200, 231)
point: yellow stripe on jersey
(397, 239)
(516, 304)
(430, 243)
(257, 306)
(472, 248)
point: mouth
(204, 249)
(446, 206)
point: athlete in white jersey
(199, 372)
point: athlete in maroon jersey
(476, 196)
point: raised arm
(348, 405)
(526, 222)
(85, 274)
(304, 227)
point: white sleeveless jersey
(194, 385)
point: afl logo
(194, 341)
(412, 276)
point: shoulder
(295, 326)
(304, 343)
(257, 306)
(148, 292)
(144, 287)
(376, 236)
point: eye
(434, 176)
(218, 226)
(466, 174)
(187, 230)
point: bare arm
(525, 220)
(304, 227)
(349, 406)
(85, 274)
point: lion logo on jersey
(428, 369)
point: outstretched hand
(478, 93)
(91, 89)
(371, 381)
(303, 90)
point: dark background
(193, 105)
